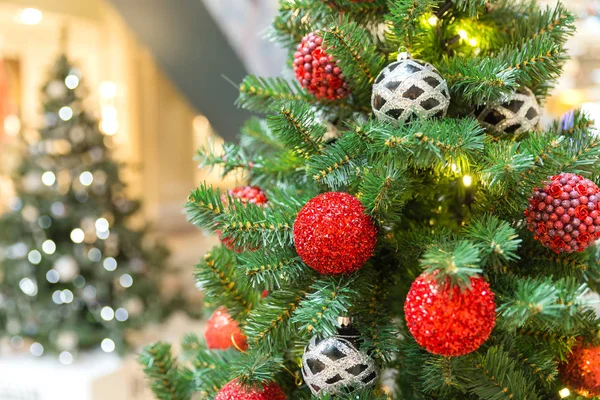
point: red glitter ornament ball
(246, 194)
(565, 213)
(222, 332)
(333, 235)
(234, 391)
(446, 320)
(581, 372)
(317, 71)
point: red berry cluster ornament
(448, 320)
(222, 332)
(565, 213)
(234, 391)
(333, 235)
(317, 71)
(246, 194)
(581, 372)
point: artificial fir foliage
(73, 272)
(445, 193)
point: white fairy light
(49, 247)
(52, 276)
(36, 349)
(95, 255)
(34, 257)
(109, 126)
(103, 235)
(86, 178)
(65, 113)
(72, 81)
(28, 286)
(48, 178)
(463, 34)
(110, 264)
(56, 297)
(564, 393)
(433, 20)
(65, 358)
(109, 112)
(102, 225)
(126, 280)
(107, 345)
(77, 235)
(107, 313)
(121, 315)
(12, 125)
(66, 296)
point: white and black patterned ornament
(330, 365)
(408, 89)
(518, 114)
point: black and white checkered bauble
(408, 89)
(332, 364)
(519, 113)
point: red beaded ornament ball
(564, 214)
(222, 332)
(317, 71)
(333, 235)
(234, 391)
(246, 194)
(581, 372)
(448, 320)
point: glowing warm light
(467, 180)
(72, 81)
(564, 393)
(12, 125)
(65, 113)
(109, 112)
(433, 20)
(86, 178)
(107, 345)
(108, 90)
(463, 34)
(77, 235)
(455, 168)
(31, 16)
(473, 42)
(109, 126)
(48, 178)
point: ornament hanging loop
(404, 55)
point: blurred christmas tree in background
(409, 230)
(75, 272)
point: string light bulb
(65, 113)
(31, 16)
(72, 81)
(463, 34)
(564, 393)
(473, 42)
(467, 180)
(433, 20)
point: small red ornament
(317, 71)
(333, 235)
(446, 320)
(565, 214)
(246, 194)
(234, 391)
(581, 372)
(222, 332)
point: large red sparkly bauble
(317, 71)
(222, 332)
(246, 194)
(564, 214)
(333, 235)
(446, 320)
(234, 391)
(581, 372)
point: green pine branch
(265, 269)
(456, 261)
(168, 380)
(497, 241)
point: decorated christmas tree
(75, 273)
(408, 229)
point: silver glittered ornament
(518, 114)
(408, 89)
(332, 364)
